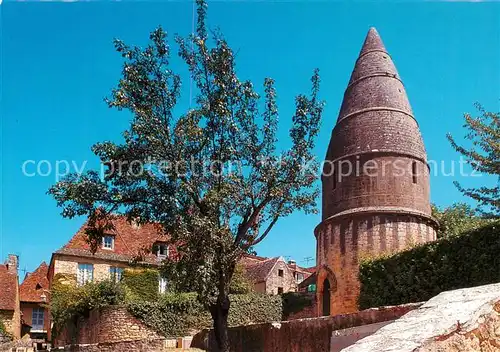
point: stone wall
(69, 265)
(306, 312)
(112, 324)
(11, 319)
(7, 319)
(303, 335)
(136, 346)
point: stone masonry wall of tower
(375, 180)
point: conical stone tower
(375, 180)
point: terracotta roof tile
(8, 288)
(34, 285)
(258, 269)
(132, 242)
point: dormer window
(108, 242)
(161, 250)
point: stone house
(128, 244)
(274, 275)
(34, 295)
(10, 314)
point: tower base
(346, 238)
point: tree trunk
(220, 313)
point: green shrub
(240, 283)
(420, 273)
(141, 284)
(178, 314)
(254, 308)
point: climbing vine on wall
(141, 284)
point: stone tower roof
(375, 114)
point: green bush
(422, 272)
(141, 284)
(178, 314)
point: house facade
(274, 275)
(128, 244)
(34, 296)
(10, 313)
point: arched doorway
(326, 297)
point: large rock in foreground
(460, 320)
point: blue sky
(58, 63)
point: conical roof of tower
(375, 114)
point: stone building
(127, 244)
(274, 275)
(10, 314)
(375, 182)
(34, 295)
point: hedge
(141, 283)
(178, 314)
(418, 274)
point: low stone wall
(112, 324)
(308, 312)
(302, 335)
(136, 346)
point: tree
(483, 156)
(211, 176)
(457, 219)
(240, 283)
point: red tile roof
(132, 242)
(8, 288)
(34, 285)
(258, 269)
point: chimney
(292, 263)
(12, 263)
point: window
(161, 250)
(108, 242)
(37, 319)
(162, 284)
(300, 277)
(414, 171)
(280, 290)
(280, 273)
(115, 273)
(85, 273)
